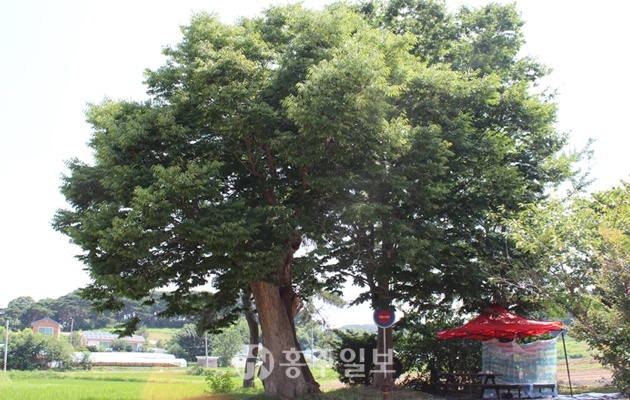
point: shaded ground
(362, 393)
(585, 375)
(593, 396)
(368, 393)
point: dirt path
(584, 372)
(579, 377)
(588, 377)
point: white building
(105, 339)
(132, 359)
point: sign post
(384, 319)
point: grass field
(121, 384)
(86, 389)
(575, 349)
(101, 384)
(174, 384)
(150, 385)
(161, 333)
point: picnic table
(465, 382)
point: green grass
(4, 379)
(42, 389)
(163, 334)
(325, 375)
(575, 349)
(564, 389)
(123, 384)
(580, 356)
(89, 385)
(118, 383)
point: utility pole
(71, 330)
(206, 349)
(6, 347)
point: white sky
(56, 56)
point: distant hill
(72, 310)
(367, 327)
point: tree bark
(289, 376)
(252, 351)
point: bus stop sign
(384, 318)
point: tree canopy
(579, 264)
(387, 136)
(71, 310)
(422, 224)
(28, 351)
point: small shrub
(354, 351)
(85, 362)
(197, 370)
(35, 375)
(220, 383)
(424, 357)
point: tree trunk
(284, 372)
(252, 351)
(383, 361)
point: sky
(55, 57)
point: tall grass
(89, 385)
(130, 384)
(575, 349)
(4, 379)
(44, 389)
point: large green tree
(28, 350)
(188, 344)
(211, 181)
(418, 223)
(71, 310)
(15, 311)
(352, 130)
(226, 345)
(579, 264)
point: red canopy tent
(498, 323)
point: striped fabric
(521, 363)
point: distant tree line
(23, 310)
(28, 351)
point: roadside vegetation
(117, 383)
(129, 384)
(40, 385)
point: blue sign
(384, 318)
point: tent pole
(566, 359)
(468, 367)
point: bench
(461, 388)
(540, 386)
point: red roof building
(47, 326)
